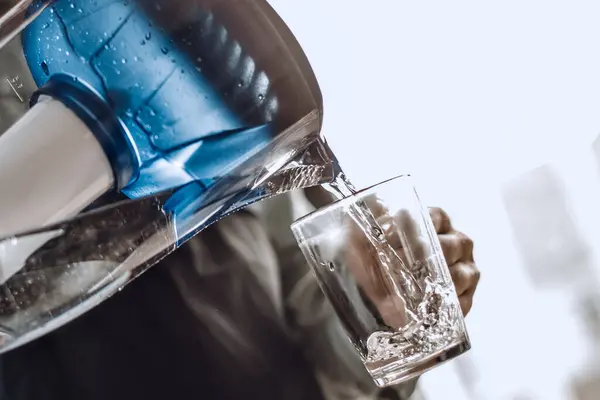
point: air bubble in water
(377, 233)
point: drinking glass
(378, 260)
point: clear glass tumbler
(378, 260)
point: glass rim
(349, 199)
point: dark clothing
(144, 344)
(231, 315)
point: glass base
(395, 372)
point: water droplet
(331, 266)
(261, 96)
(67, 53)
(199, 59)
(72, 5)
(148, 36)
(136, 58)
(123, 61)
(143, 42)
(164, 50)
(240, 83)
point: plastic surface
(75, 169)
(101, 122)
(216, 102)
(183, 126)
(15, 15)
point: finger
(393, 311)
(415, 247)
(466, 303)
(475, 281)
(376, 206)
(465, 277)
(456, 247)
(363, 262)
(441, 220)
(390, 230)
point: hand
(458, 251)
(408, 247)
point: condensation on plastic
(76, 264)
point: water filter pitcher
(126, 127)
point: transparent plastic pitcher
(128, 126)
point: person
(233, 314)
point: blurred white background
(470, 96)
